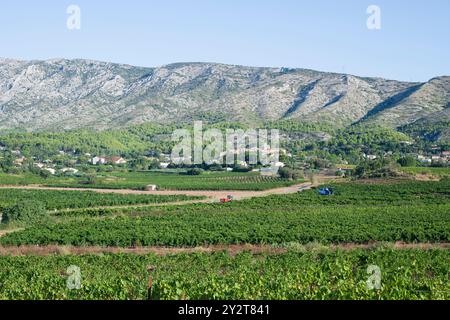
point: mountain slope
(68, 94)
(424, 103)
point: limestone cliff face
(68, 94)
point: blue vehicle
(326, 192)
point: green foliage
(89, 180)
(409, 212)
(289, 174)
(26, 212)
(292, 126)
(194, 172)
(164, 180)
(438, 172)
(44, 174)
(428, 134)
(241, 169)
(317, 275)
(126, 142)
(379, 168)
(55, 199)
(352, 142)
(407, 161)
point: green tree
(194, 172)
(289, 174)
(407, 161)
(44, 174)
(26, 212)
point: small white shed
(151, 187)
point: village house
(98, 160)
(39, 165)
(20, 161)
(370, 156)
(164, 165)
(423, 159)
(243, 164)
(51, 170)
(70, 170)
(116, 160)
(151, 187)
(436, 158)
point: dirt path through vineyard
(231, 249)
(212, 195)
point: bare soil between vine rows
(28, 250)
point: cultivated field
(316, 274)
(164, 181)
(430, 171)
(307, 246)
(60, 199)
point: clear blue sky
(329, 35)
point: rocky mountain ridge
(63, 94)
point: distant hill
(70, 94)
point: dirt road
(213, 195)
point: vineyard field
(439, 172)
(322, 274)
(357, 213)
(201, 227)
(311, 241)
(56, 199)
(164, 181)
(177, 181)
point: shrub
(407, 161)
(241, 169)
(90, 179)
(194, 172)
(289, 174)
(215, 167)
(44, 174)
(26, 212)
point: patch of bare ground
(395, 245)
(426, 177)
(233, 250)
(383, 181)
(161, 251)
